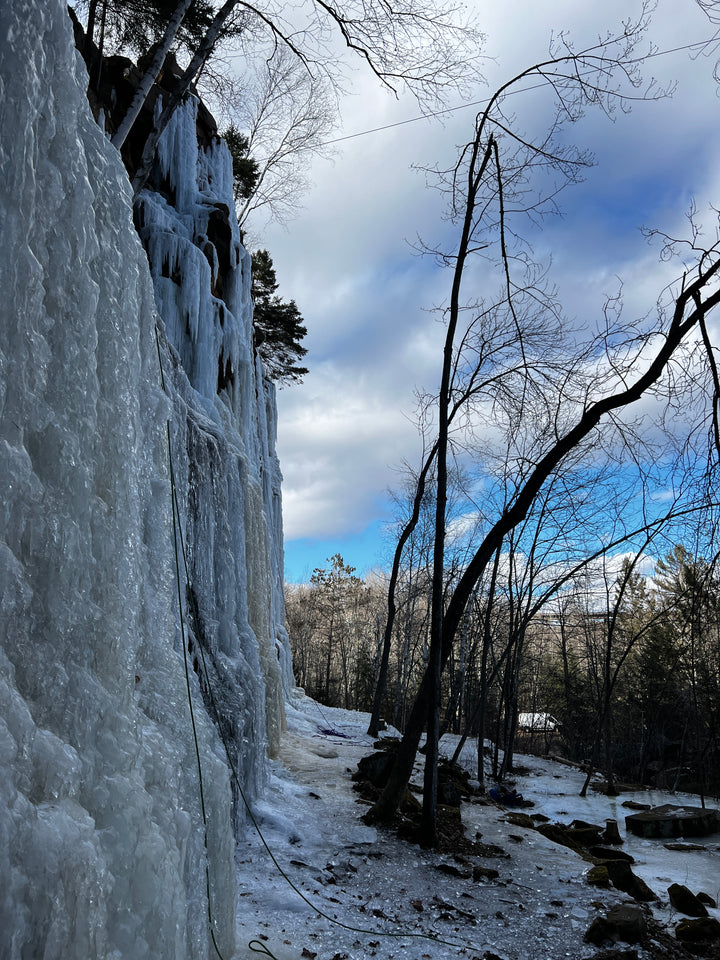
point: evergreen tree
(278, 324)
(133, 26)
(245, 168)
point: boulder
(625, 922)
(599, 932)
(685, 901)
(671, 820)
(692, 931)
(635, 805)
(608, 853)
(584, 834)
(629, 922)
(598, 876)
(520, 820)
(452, 871)
(375, 768)
(457, 781)
(622, 878)
(558, 834)
(706, 899)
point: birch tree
(151, 74)
(422, 46)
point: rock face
(103, 848)
(673, 821)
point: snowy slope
(393, 894)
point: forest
(619, 670)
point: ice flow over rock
(103, 851)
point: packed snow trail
(538, 908)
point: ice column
(102, 846)
(223, 436)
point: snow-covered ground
(389, 896)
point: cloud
(338, 451)
(365, 295)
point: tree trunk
(328, 663)
(392, 586)
(207, 44)
(92, 11)
(151, 75)
(389, 800)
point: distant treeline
(628, 666)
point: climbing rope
(261, 948)
(179, 547)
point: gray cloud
(347, 262)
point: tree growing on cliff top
(278, 324)
(418, 45)
(286, 114)
(134, 26)
(245, 168)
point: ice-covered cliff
(103, 848)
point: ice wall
(223, 426)
(103, 852)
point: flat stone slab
(673, 821)
(684, 847)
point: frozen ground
(389, 896)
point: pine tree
(245, 169)
(278, 324)
(135, 25)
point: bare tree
(286, 114)
(567, 416)
(417, 45)
(612, 635)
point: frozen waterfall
(103, 851)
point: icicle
(99, 806)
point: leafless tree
(570, 415)
(423, 46)
(287, 114)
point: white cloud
(338, 450)
(347, 263)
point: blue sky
(346, 259)
(366, 550)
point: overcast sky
(348, 261)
